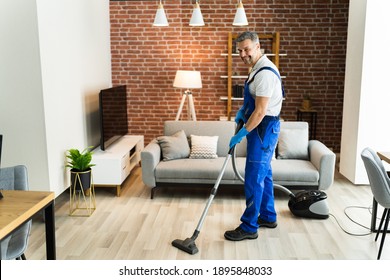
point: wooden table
(18, 207)
(385, 156)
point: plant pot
(306, 104)
(80, 179)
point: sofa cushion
(207, 170)
(203, 146)
(175, 146)
(293, 141)
(193, 170)
(294, 172)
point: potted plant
(80, 168)
(306, 102)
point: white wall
(366, 96)
(21, 102)
(70, 63)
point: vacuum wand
(188, 245)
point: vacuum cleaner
(309, 204)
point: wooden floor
(133, 226)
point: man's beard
(248, 60)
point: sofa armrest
(150, 157)
(324, 160)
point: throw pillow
(175, 146)
(204, 146)
(293, 144)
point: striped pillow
(204, 146)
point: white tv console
(114, 164)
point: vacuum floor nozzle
(187, 245)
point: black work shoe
(239, 234)
(263, 223)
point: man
(263, 95)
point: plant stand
(82, 202)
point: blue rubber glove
(238, 137)
(240, 115)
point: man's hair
(248, 35)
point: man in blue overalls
(263, 96)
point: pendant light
(197, 18)
(240, 17)
(160, 19)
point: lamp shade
(187, 79)
(196, 18)
(240, 17)
(160, 19)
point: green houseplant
(80, 167)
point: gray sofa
(299, 163)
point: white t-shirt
(267, 84)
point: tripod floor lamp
(187, 80)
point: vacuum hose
(276, 186)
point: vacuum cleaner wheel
(310, 204)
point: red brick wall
(145, 58)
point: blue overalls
(259, 190)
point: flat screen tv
(113, 115)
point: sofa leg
(152, 193)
